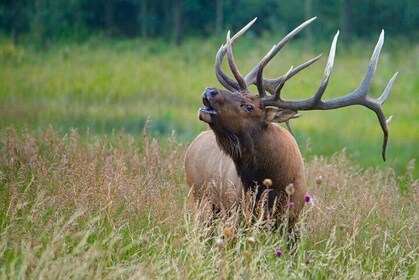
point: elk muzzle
(207, 113)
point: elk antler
(250, 78)
(256, 75)
(226, 81)
(274, 86)
(357, 97)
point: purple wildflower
(278, 252)
(292, 204)
(308, 198)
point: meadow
(102, 86)
(73, 208)
(92, 140)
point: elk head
(234, 115)
(235, 111)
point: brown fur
(243, 149)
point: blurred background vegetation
(110, 65)
(46, 21)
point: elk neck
(254, 156)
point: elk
(246, 146)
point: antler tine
(327, 70)
(233, 66)
(257, 71)
(226, 81)
(357, 97)
(260, 67)
(377, 108)
(277, 93)
(243, 30)
(271, 84)
(307, 104)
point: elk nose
(210, 92)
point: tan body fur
(210, 170)
(276, 154)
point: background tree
(42, 21)
(347, 20)
(177, 20)
(219, 16)
(143, 18)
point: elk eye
(249, 108)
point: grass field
(96, 209)
(86, 194)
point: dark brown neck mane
(255, 161)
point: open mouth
(206, 113)
(207, 107)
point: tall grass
(118, 207)
(103, 86)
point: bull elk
(245, 146)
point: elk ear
(274, 114)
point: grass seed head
(290, 189)
(220, 243)
(267, 182)
(228, 232)
(246, 253)
(319, 180)
(251, 240)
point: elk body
(246, 146)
